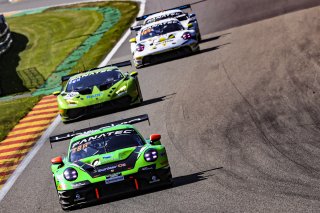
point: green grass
(13, 111)
(52, 36)
(129, 11)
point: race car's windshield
(104, 143)
(160, 29)
(94, 79)
(163, 17)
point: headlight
(151, 155)
(72, 102)
(70, 174)
(140, 47)
(122, 89)
(186, 36)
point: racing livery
(107, 161)
(178, 13)
(155, 40)
(105, 88)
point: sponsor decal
(88, 131)
(163, 16)
(78, 197)
(147, 168)
(70, 95)
(94, 96)
(112, 168)
(154, 179)
(102, 135)
(107, 157)
(114, 179)
(122, 165)
(150, 28)
(107, 168)
(79, 184)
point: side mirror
(155, 138)
(134, 74)
(133, 40)
(191, 15)
(57, 160)
(56, 93)
(190, 25)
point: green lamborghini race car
(99, 89)
(108, 160)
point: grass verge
(51, 36)
(129, 11)
(13, 111)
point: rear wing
(136, 28)
(182, 7)
(69, 135)
(120, 64)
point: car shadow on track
(144, 103)
(213, 38)
(178, 56)
(209, 49)
(177, 182)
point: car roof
(103, 130)
(96, 70)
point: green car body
(101, 89)
(128, 166)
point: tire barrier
(5, 35)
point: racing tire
(199, 38)
(139, 91)
(170, 181)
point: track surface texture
(240, 120)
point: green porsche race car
(99, 89)
(108, 160)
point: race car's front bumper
(76, 113)
(163, 54)
(132, 183)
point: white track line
(12, 179)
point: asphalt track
(240, 120)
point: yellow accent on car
(133, 40)
(122, 89)
(162, 39)
(72, 102)
(134, 73)
(56, 93)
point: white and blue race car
(163, 39)
(177, 12)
